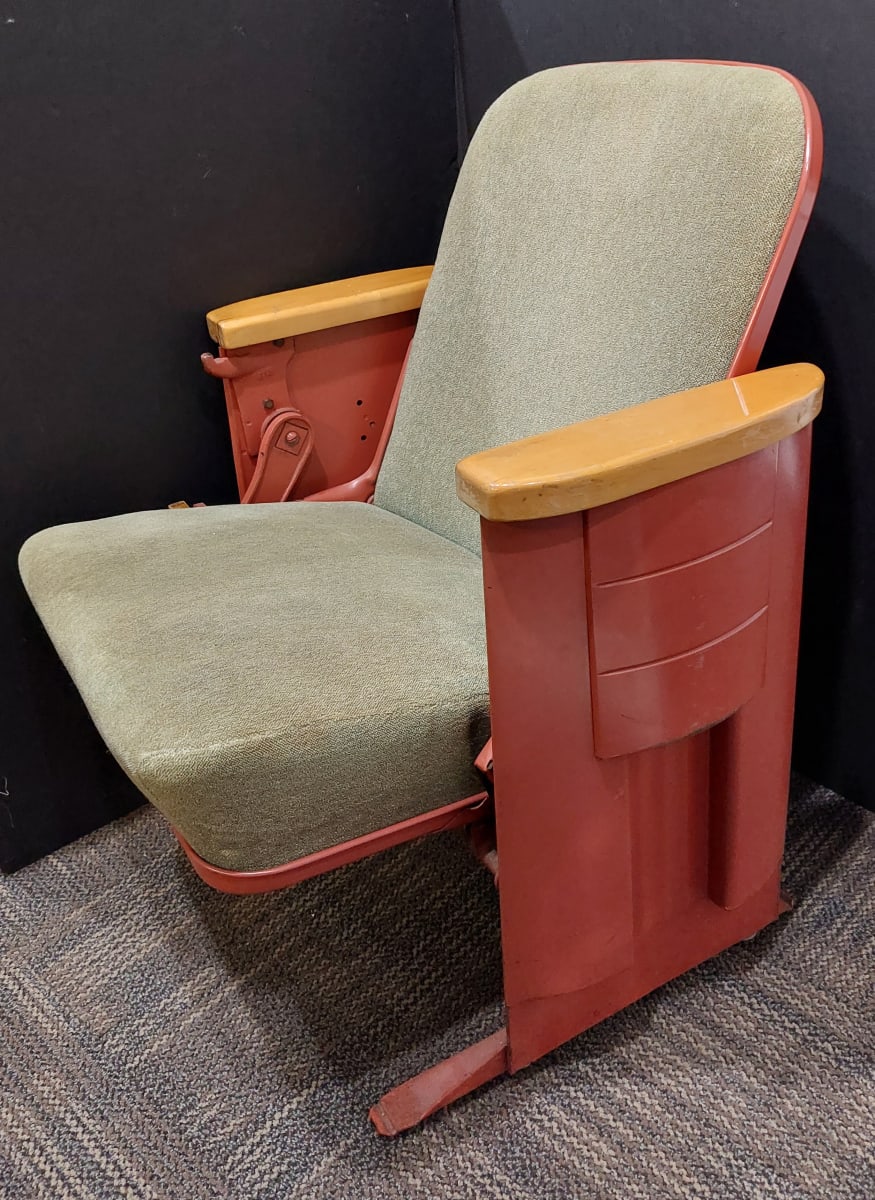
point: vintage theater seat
(295, 685)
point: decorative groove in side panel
(678, 596)
(661, 702)
(681, 521)
(681, 609)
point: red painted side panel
(674, 611)
(669, 831)
(624, 861)
(538, 1025)
(751, 751)
(678, 604)
(682, 521)
(563, 831)
(648, 706)
(342, 380)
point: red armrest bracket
(285, 447)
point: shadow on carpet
(165, 1042)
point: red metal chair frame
(630, 850)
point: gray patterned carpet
(162, 1041)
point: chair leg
(419, 1097)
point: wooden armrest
(285, 314)
(610, 457)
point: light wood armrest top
(607, 458)
(302, 310)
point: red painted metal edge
(244, 883)
(435, 1088)
(765, 306)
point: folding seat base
(536, 1026)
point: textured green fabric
(276, 678)
(608, 235)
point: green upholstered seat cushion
(276, 678)
(609, 232)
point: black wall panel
(828, 312)
(157, 161)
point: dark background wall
(158, 161)
(828, 312)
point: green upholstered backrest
(609, 233)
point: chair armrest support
(608, 458)
(303, 310)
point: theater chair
(298, 685)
